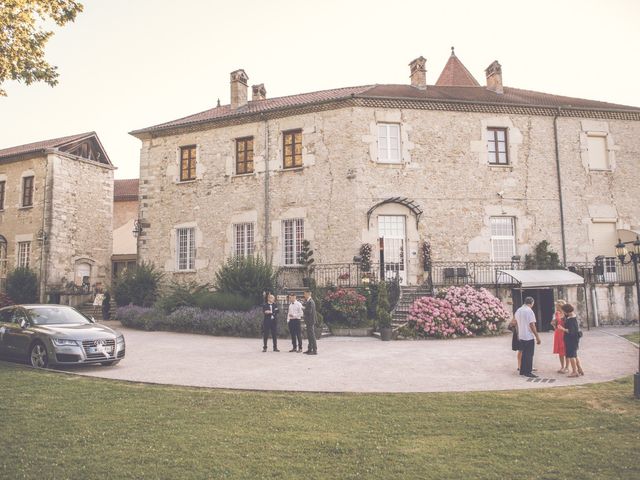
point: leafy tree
(22, 38)
(139, 285)
(248, 276)
(383, 307)
(542, 259)
(22, 285)
(305, 258)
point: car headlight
(62, 342)
(120, 339)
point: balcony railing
(609, 271)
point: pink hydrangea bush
(434, 317)
(478, 309)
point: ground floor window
(503, 239)
(243, 241)
(293, 235)
(24, 254)
(186, 248)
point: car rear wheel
(38, 356)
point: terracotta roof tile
(125, 190)
(456, 74)
(42, 145)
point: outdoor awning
(540, 278)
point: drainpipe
(43, 237)
(266, 190)
(555, 139)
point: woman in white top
(294, 315)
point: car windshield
(55, 315)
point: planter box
(352, 332)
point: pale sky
(130, 64)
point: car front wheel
(38, 356)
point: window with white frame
(292, 235)
(243, 239)
(389, 143)
(503, 239)
(186, 248)
(24, 254)
(598, 153)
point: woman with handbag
(558, 336)
(572, 336)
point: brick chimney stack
(494, 77)
(239, 89)
(418, 73)
(258, 92)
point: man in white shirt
(294, 317)
(527, 335)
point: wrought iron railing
(607, 271)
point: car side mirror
(92, 320)
(24, 323)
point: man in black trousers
(310, 322)
(527, 332)
(270, 323)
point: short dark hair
(307, 290)
(529, 300)
(567, 308)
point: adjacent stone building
(480, 173)
(56, 212)
(125, 217)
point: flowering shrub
(458, 311)
(434, 317)
(480, 311)
(345, 306)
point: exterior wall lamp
(137, 228)
(625, 258)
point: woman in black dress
(571, 340)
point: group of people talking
(296, 313)
(566, 338)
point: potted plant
(383, 315)
(305, 258)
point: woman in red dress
(558, 336)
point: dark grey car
(46, 335)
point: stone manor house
(56, 206)
(480, 173)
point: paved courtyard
(346, 364)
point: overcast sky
(129, 64)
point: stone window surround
(293, 132)
(495, 161)
(371, 140)
(171, 264)
(503, 237)
(181, 149)
(26, 174)
(25, 240)
(593, 128)
(389, 124)
(514, 140)
(248, 241)
(178, 164)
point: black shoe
(293, 350)
(308, 352)
(264, 349)
(299, 350)
(276, 350)
(531, 375)
(313, 353)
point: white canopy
(540, 278)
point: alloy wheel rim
(38, 356)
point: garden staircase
(408, 295)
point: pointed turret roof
(455, 74)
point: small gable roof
(62, 144)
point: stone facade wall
(444, 170)
(80, 220)
(17, 223)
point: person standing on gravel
(310, 322)
(528, 336)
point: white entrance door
(391, 228)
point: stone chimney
(494, 77)
(418, 73)
(238, 89)
(258, 92)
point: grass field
(634, 337)
(55, 425)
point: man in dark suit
(310, 322)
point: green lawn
(54, 425)
(634, 337)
